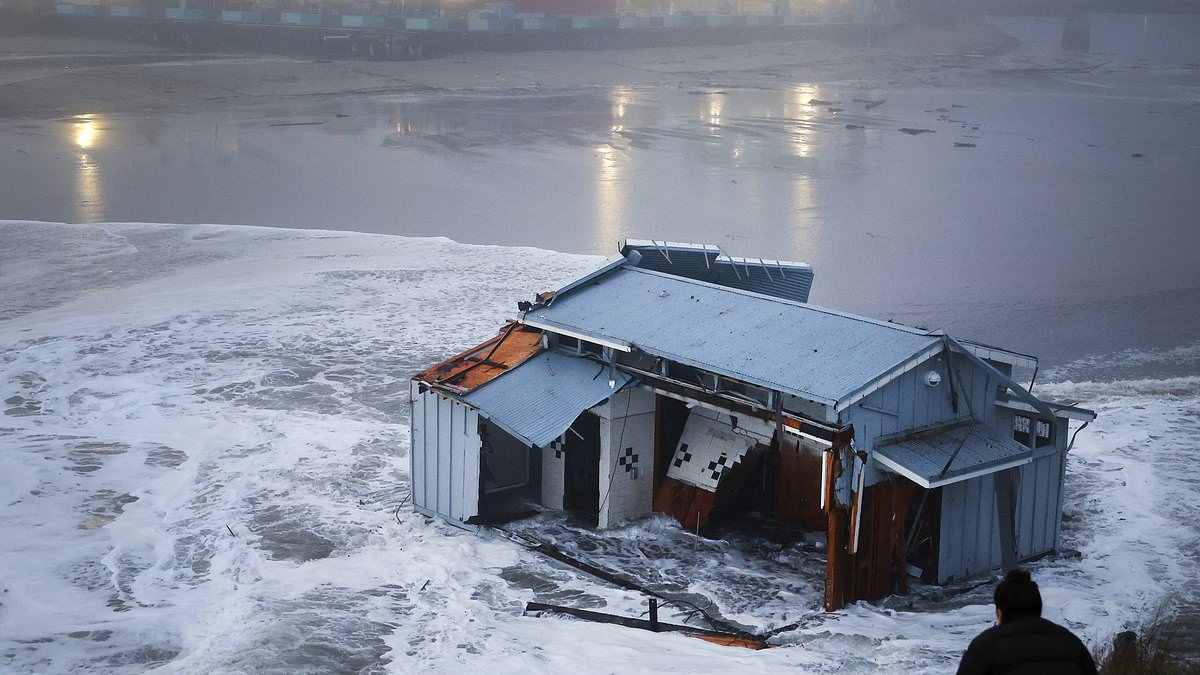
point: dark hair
(1017, 596)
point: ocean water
(204, 433)
(1032, 185)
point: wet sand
(48, 76)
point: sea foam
(205, 440)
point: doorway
(581, 493)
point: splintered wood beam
(715, 637)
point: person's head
(1017, 597)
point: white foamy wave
(1132, 365)
(1182, 387)
(205, 435)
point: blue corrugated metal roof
(788, 280)
(539, 399)
(793, 347)
(921, 458)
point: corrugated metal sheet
(800, 349)
(788, 280)
(539, 399)
(921, 458)
(444, 457)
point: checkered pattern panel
(628, 459)
(717, 468)
(708, 448)
(683, 455)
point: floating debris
(870, 103)
(915, 132)
(958, 144)
(855, 126)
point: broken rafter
(484, 362)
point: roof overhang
(538, 400)
(1061, 409)
(551, 327)
(1000, 355)
(950, 454)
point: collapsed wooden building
(679, 380)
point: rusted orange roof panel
(483, 363)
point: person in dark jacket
(1024, 642)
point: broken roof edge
(439, 375)
(670, 245)
(705, 248)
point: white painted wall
(554, 467)
(626, 430)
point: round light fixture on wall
(933, 378)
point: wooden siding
(799, 483)
(879, 566)
(691, 506)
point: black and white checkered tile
(628, 459)
(684, 457)
(718, 467)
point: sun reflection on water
(610, 194)
(89, 195)
(800, 107)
